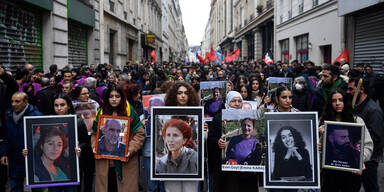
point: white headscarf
(230, 96)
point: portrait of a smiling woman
(291, 160)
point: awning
(45, 4)
(80, 12)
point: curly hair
(278, 145)
(171, 99)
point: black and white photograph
(177, 143)
(243, 132)
(343, 149)
(292, 160)
(112, 137)
(51, 143)
(212, 94)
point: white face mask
(298, 87)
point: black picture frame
(292, 159)
(159, 148)
(349, 157)
(38, 138)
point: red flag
(232, 55)
(267, 59)
(211, 56)
(153, 55)
(342, 56)
(201, 59)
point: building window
(302, 48)
(315, 3)
(301, 7)
(284, 46)
(112, 6)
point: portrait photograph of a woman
(51, 151)
(292, 158)
(181, 156)
(177, 144)
(243, 147)
(51, 163)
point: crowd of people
(335, 92)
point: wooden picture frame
(121, 138)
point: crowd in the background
(29, 91)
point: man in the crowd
(379, 84)
(11, 150)
(8, 86)
(330, 81)
(372, 115)
(110, 143)
(339, 151)
(370, 75)
(285, 71)
(29, 68)
(360, 68)
(66, 87)
(45, 97)
(91, 83)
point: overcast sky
(195, 18)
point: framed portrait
(87, 111)
(51, 143)
(146, 99)
(177, 143)
(112, 137)
(243, 132)
(343, 148)
(275, 82)
(212, 94)
(292, 159)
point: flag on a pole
(232, 55)
(201, 59)
(219, 57)
(153, 55)
(267, 59)
(211, 55)
(342, 56)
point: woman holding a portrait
(116, 175)
(339, 108)
(182, 94)
(293, 141)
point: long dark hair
(107, 107)
(64, 96)
(278, 145)
(261, 88)
(171, 100)
(329, 113)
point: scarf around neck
(17, 117)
